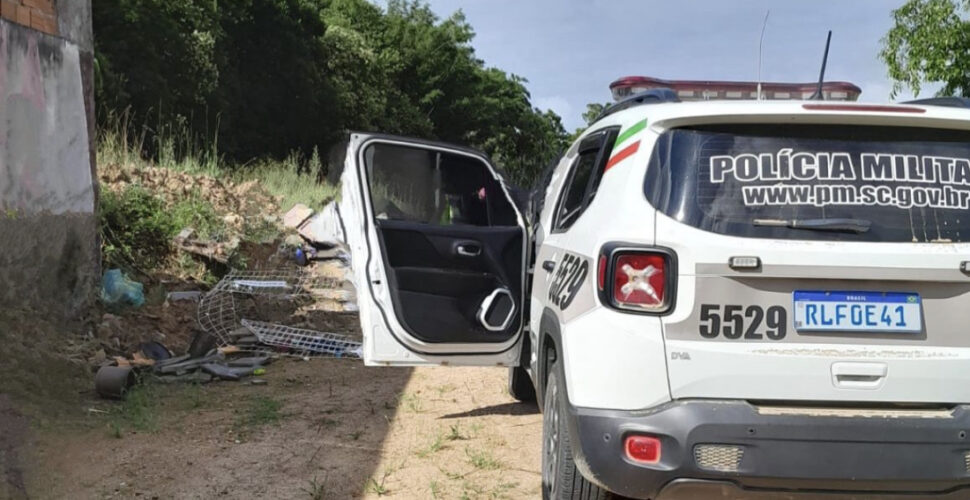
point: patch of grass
(412, 402)
(136, 228)
(482, 460)
(316, 490)
(435, 489)
(443, 389)
(198, 213)
(377, 487)
(455, 433)
(436, 445)
(192, 397)
(471, 490)
(260, 230)
(139, 411)
(501, 490)
(293, 181)
(260, 411)
(114, 430)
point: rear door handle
(468, 250)
(549, 266)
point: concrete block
(74, 22)
(297, 216)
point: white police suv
(715, 299)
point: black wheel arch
(548, 350)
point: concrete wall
(49, 252)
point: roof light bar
(700, 90)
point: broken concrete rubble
(296, 216)
(324, 229)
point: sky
(570, 50)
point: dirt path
(318, 429)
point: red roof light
(697, 90)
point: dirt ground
(324, 428)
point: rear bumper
(804, 455)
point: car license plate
(857, 312)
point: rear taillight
(637, 279)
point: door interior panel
(440, 275)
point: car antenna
(761, 44)
(818, 95)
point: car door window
(431, 187)
(584, 178)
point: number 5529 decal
(568, 280)
(743, 322)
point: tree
(929, 42)
(155, 57)
(274, 76)
(276, 91)
(593, 111)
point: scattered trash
(303, 340)
(301, 257)
(118, 289)
(296, 216)
(211, 250)
(155, 351)
(194, 296)
(219, 316)
(251, 362)
(113, 382)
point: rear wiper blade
(847, 225)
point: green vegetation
(412, 402)
(135, 228)
(377, 487)
(930, 42)
(260, 411)
(230, 85)
(139, 411)
(482, 460)
(456, 434)
(284, 180)
(437, 443)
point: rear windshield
(853, 183)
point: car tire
(560, 478)
(520, 385)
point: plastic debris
(118, 289)
(194, 296)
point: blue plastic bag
(118, 289)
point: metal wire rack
(219, 311)
(302, 340)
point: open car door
(438, 251)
